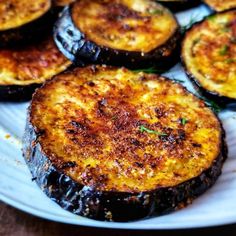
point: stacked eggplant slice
(28, 54)
(103, 141)
(209, 56)
(22, 20)
(122, 33)
(24, 68)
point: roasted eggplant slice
(24, 68)
(179, 5)
(221, 5)
(137, 34)
(21, 20)
(208, 53)
(111, 144)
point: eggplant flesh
(75, 44)
(26, 67)
(211, 64)
(31, 20)
(96, 194)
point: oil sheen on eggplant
(221, 5)
(23, 20)
(208, 54)
(114, 145)
(136, 34)
(25, 68)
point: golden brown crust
(117, 130)
(30, 64)
(15, 13)
(139, 25)
(221, 5)
(209, 50)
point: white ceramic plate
(217, 206)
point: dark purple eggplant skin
(74, 45)
(17, 93)
(181, 5)
(223, 101)
(29, 32)
(112, 206)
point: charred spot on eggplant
(211, 63)
(24, 68)
(23, 20)
(219, 5)
(120, 161)
(137, 34)
(179, 5)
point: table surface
(14, 222)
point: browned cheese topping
(118, 130)
(209, 52)
(15, 13)
(137, 25)
(32, 63)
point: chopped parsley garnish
(196, 41)
(114, 117)
(183, 121)
(224, 50)
(214, 106)
(230, 60)
(211, 17)
(156, 12)
(177, 80)
(151, 70)
(225, 29)
(150, 131)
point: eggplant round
(208, 55)
(22, 21)
(179, 5)
(220, 5)
(111, 144)
(24, 68)
(135, 34)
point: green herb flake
(230, 60)
(183, 121)
(224, 50)
(156, 12)
(142, 129)
(177, 80)
(196, 41)
(225, 29)
(151, 70)
(211, 17)
(214, 106)
(114, 117)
